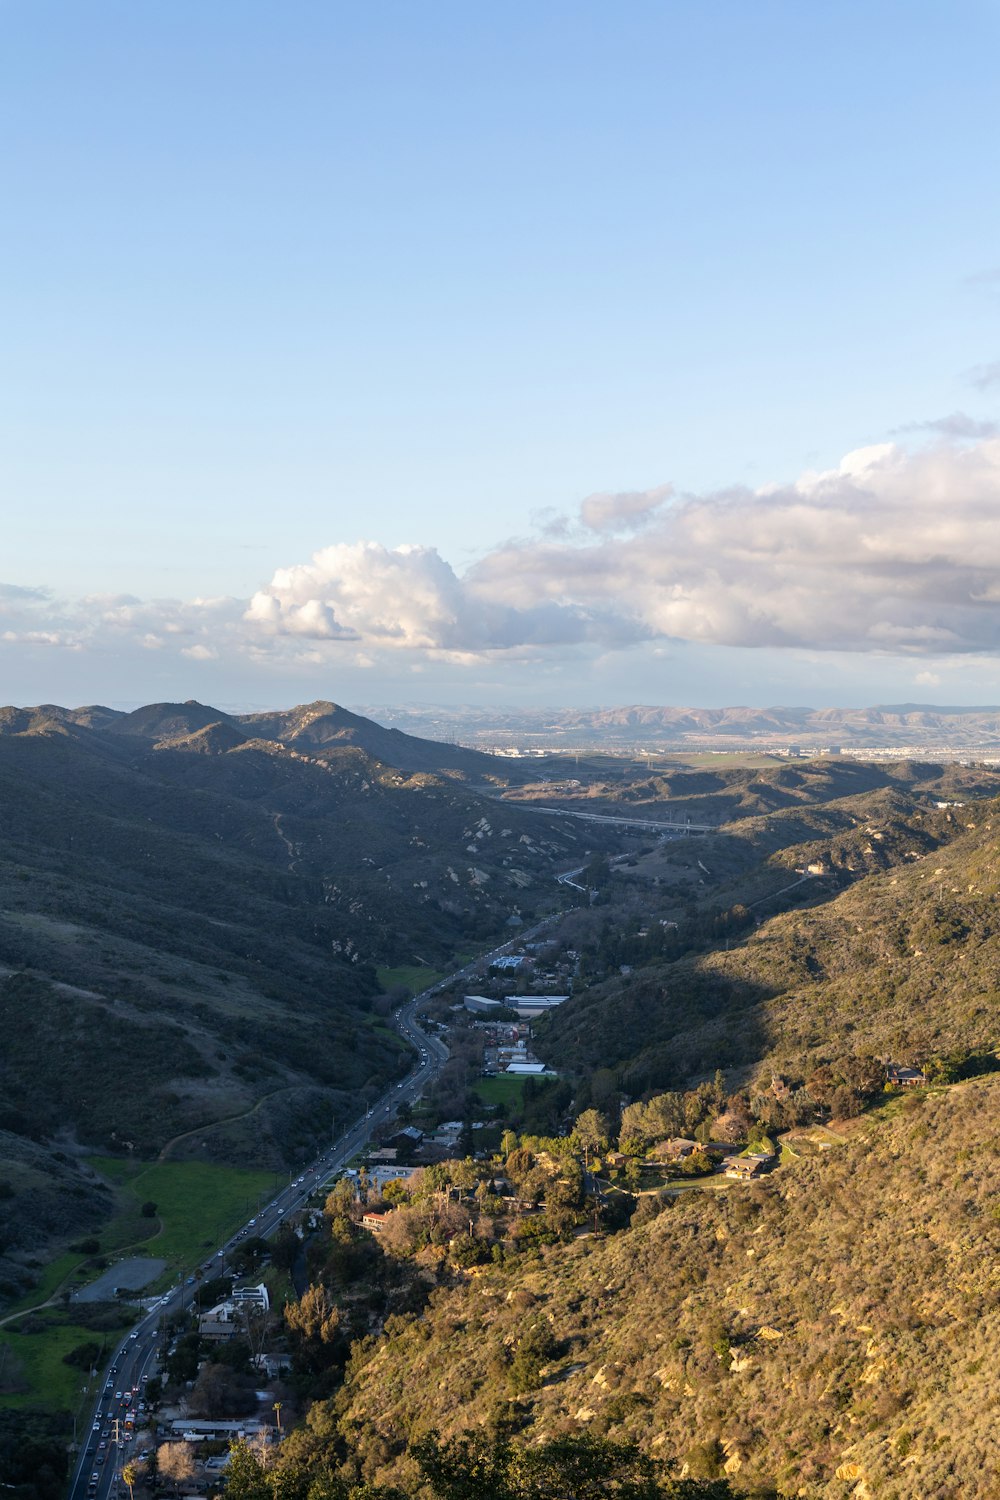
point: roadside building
(221, 1323)
(530, 1007)
(251, 1296)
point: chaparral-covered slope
(192, 914)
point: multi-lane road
(96, 1475)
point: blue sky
(280, 280)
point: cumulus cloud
(410, 597)
(892, 551)
(895, 551)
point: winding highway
(97, 1472)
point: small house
(746, 1168)
(905, 1078)
(673, 1150)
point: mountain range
(917, 726)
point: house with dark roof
(899, 1077)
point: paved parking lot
(133, 1274)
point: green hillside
(192, 918)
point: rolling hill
(892, 947)
(193, 913)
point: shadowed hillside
(192, 914)
(892, 949)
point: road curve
(135, 1359)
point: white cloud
(409, 597)
(894, 552)
(928, 679)
(41, 638)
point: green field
(416, 977)
(197, 1205)
(507, 1089)
(39, 1359)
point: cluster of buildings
(506, 1045)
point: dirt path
(245, 1114)
(49, 1302)
(291, 848)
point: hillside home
(675, 1149)
(374, 1221)
(379, 1176)
(746, 1167)
(905, 1078)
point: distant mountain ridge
(419, 738)
(311, 727)
(637, 726)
